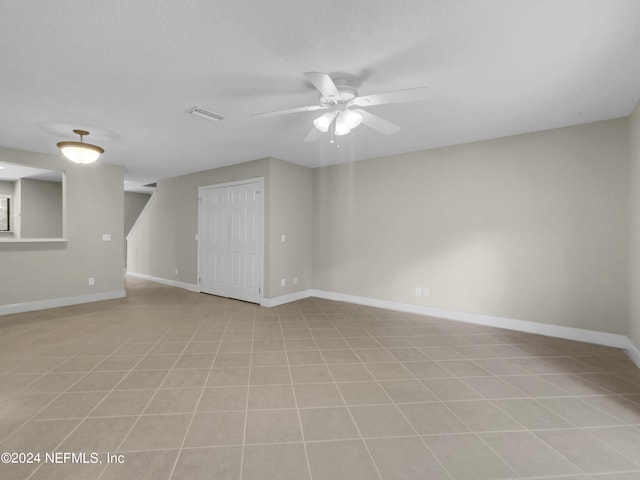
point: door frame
(259, 180)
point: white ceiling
(127, 71)
(10, 172)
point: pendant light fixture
(80, 152)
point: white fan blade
(313, 135)
(290, 110)
(377, 123)
(409, 95)
(323, 84)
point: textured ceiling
(127, 71)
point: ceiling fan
(342, 101)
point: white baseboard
(281, 300)
(60, 302)
(558, 331)
(187, 286)
(633, 352)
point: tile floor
(190, 386)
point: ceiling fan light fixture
(351, 119)
(347, 120)
(323, 122)
(342, 129)
(80, 152)
(338, 98)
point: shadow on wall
(134, 204)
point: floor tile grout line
(484, 397)
(246, 405)
(377, 338)
(88, 414)
(362, 439)
(557, 374)
(623, 376)
(486, 444)
(587, 431)
(581, 429)
(203, 389)
(444, 469)
(49, 372)
(572, 425)
(571, 422)
(472, 431)
(581, 398)
(156, 390)
(332, 440)
(460, 377)
(295, 401)
(403, 414)
(329, 407)
(59, 394)
(479, 437)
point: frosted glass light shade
(342, 128)
(351, 119)
(80, 152)
(323, 121)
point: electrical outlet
(106, 237)
(283, 238)
(176, 270)
(283, 282)
(418, 291)
(92, 281)
(295, 280)
(425, 292)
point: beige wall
(634, 250)
(7, 188)
(163, 239)
(290, 213)
(40, 209)
(44, 271)
(530, 227)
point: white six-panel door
(213, 241)
(230, 240)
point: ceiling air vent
(202, 113)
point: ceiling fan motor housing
(347, 93)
